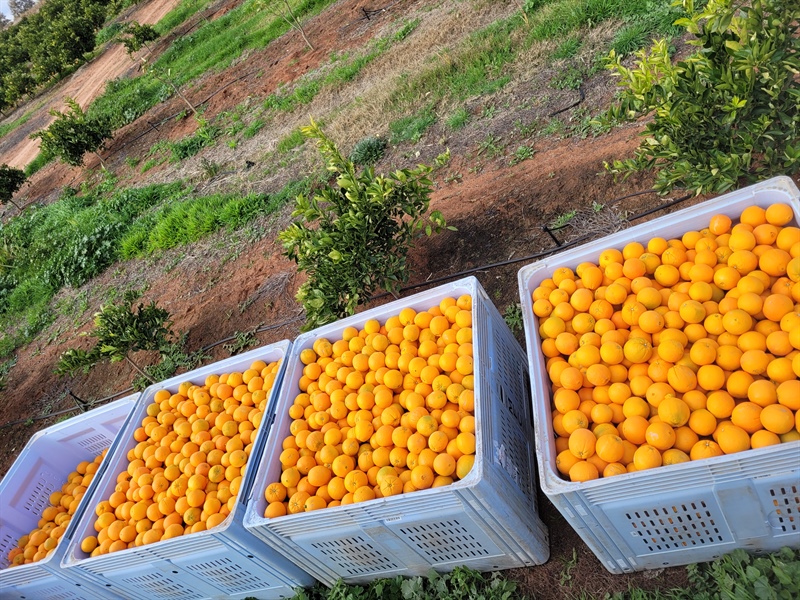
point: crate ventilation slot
(95, 444)
(40, 497)
(786, 501)
(58, 593)
(683, 526)
(230, 575)
(512, 451)
(445, 541)
(356, 555)
(162, 587)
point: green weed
(458, 118)
(294, 140)
(412, 127)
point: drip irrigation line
(573, 105)
(442, 279)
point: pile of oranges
(42, 541)
(676, 350)
(185, 472)
(382, 411)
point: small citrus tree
(73, 134)
(120, 330)
(11, 180)
(353, 237)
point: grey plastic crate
(224, 562)
(680, 514)
(40, 470)
(487, 521)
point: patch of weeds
(406, 30)
(512, 315)
(253, 128)
(562, 219)
(412, 128)
(596, 206)
(150, 163)
(522, 153)
(458, 118)
(526, 129)
(294, 140)
(565, 576)
(37, 163)
(630, 38)
(554, 127)
(567, 49)
(450, 178)
(242, 340)
(132, 162)
(5, 368)
(570, 78)
(488, 111)
(209, 168)
(368, 151)
(191, 145)
(490, 147)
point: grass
(412, 127)
(458, 118)
(304, 92)
(9, 127)
(95, 229)
(211, 47)
(294, 140)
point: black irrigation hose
(429, 282)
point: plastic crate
(680, 514)
(41, 468)
(486, 521)
(223, 562)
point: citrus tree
(730, 110)
(73, 134)
(352, 237)
(120, 330)
(11, 180)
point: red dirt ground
(217, 287)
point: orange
(583, 471)
(747, 416)
(705, 449)
(673, 411)
(646, 457)
(777, 418)
(732, 438)
(779, 214)
(610, 448)
(788, 394)
(660, 435)
(582, 443)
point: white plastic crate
(487, 521)
(223, 562)
(41, 469)
(680, 514)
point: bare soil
(231, 283)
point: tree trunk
(294, 23)
(138, 370)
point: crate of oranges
(403, 443)
(166, 518)
(44, 494)
(665, 365)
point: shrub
(368, 151)
(353, 236)
(11, 180)
(730, 110)
(73, 134)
